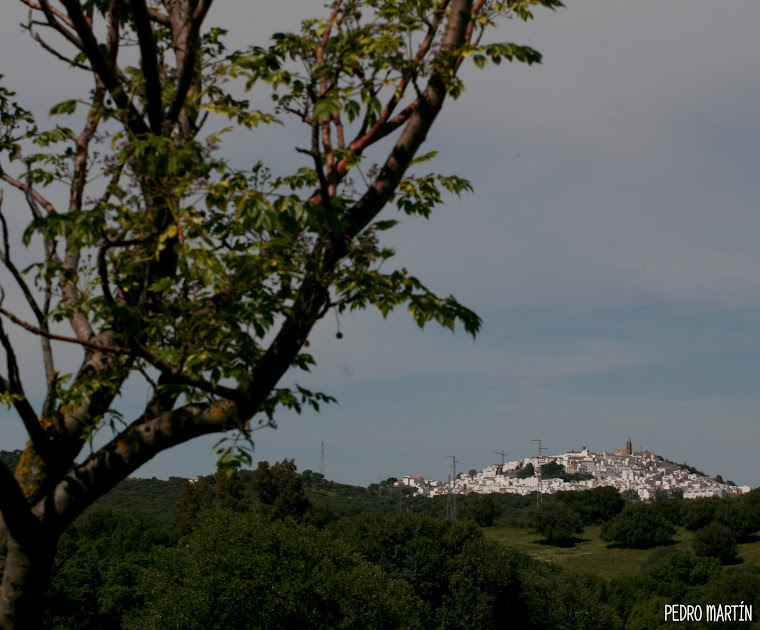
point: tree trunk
(25, 578)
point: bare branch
(76, 340)
(186, 32)
(79, 320)
(20, 402)
(103, 68)
(47, 47)
(149, 62)
(55, 12)
(112, 38)
(57, 21)
(5, 256)
(31, 193)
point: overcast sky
(611, 248)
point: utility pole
(451, 500)
(538, 472)
(322, 463)
(502, 453)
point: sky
(610, 247)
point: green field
(592, 555)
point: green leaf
(326, 107)
(64, 107)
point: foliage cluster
(199, 496)
(638, 525)
(249, 571)
(164, 260)
(715, 540)
(594, 506)
(482, 509)
(98, 564)
(556, 521)
(260, 567)
(523, 472)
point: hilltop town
(642, 472)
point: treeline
(277, 565)
(718, 524)
(254, 551)
(272, 548)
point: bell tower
(628, 447)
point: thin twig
(82, 342)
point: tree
(673, 570)
(172, 266)
(594, 506)
(525, 472)
(482, 509)
(552, 470)
(280, 489)
(200, 496)
(741, 515)
(716, 540)
(630, 496)
(196, 498)
(699, 512)
(676, 494)
(311, 478)
(740, 584)
(239, 571)
(556, 522)
(638, 525)
(659, 496)
(98, 563)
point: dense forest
(275, 548)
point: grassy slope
(592, 555)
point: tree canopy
(638, 525)
(163, 260)
(557, 522)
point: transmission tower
(503, 454)
(322, 462)
(538, 472)
(451, 500)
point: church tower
(628, 447)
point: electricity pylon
(503, 454)
(538, 461)
(451, 500)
